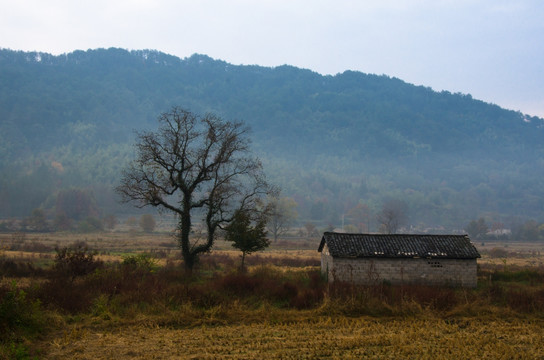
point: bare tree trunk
(242, 268)
(184, 232)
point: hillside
(330, 141)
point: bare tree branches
(282, 215)
(195, 165)
(392, 216)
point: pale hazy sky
(491, 49)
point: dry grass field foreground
(315, 337)
(280, 308)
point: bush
(299, 290)
(498, 253)
(90, 224)
(527, 275)
(12, 268)
(141, 262)
(75, 261)
(18, 314)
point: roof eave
(402, 257)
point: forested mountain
(331, 142)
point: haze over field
(490, 49)
(341, 146)
(335, 137)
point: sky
(491, 49)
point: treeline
(330, 142)
(517, 230)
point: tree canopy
(246, 237)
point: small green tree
(245, 237)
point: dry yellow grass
(112, 245)
(281, 333)
(521, 254)
(322, 337)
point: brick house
(399, 259)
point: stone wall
(458, 272)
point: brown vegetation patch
(307, 337)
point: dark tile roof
(399, 246)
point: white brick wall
(458, 272)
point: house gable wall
(327, 263)
(368, 271)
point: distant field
(112, 246)
(511, 253)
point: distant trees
(90, 224)
(429, 161)
(528, 231)
(147, 223)
(195, 165)
(310, 229)
(282, 214)
(62, 222)
(392, 216)
(76, 204)
(360, 217)
(477, 229)
(246, 237)
(110, 221)
(131, 222)
(37, 221)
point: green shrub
(526, 275)
(90, 224)
(18, 314)
(141, 262)
(15, 350)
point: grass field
(310, 336)
(280, 308)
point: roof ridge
(453, 246)
(396, 234)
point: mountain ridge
(348, 128)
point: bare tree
(360, 215)
(195, 165)
(477, 229)
(281, 215)
(311, 230)
(392, 216)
